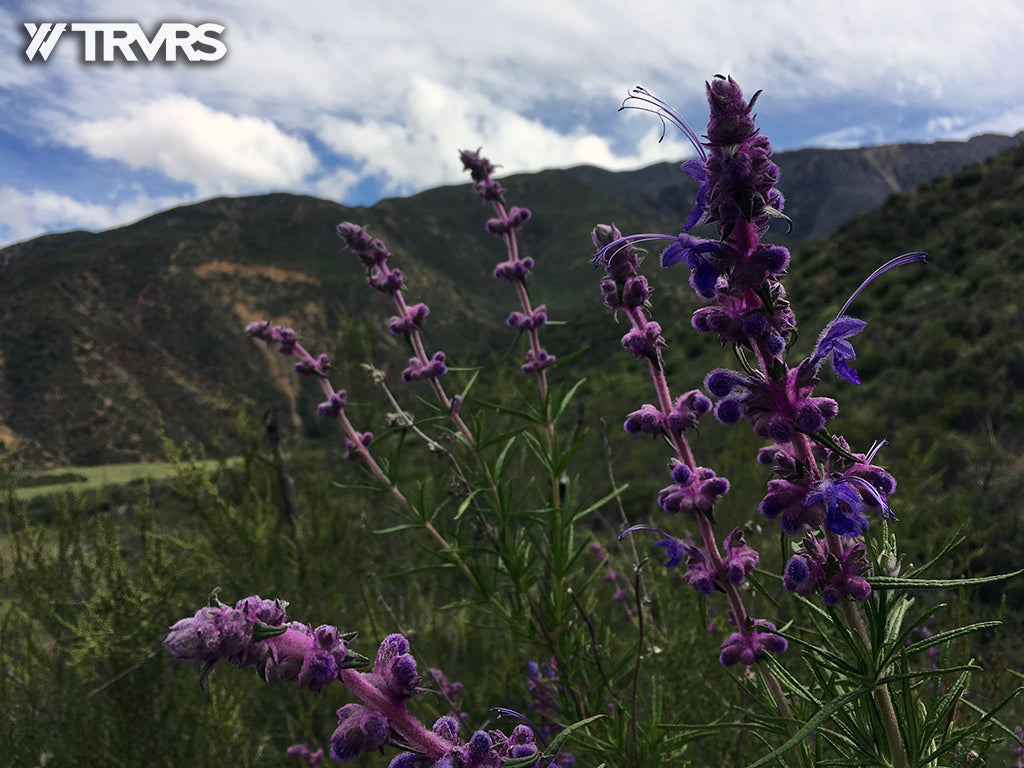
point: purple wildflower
(833, 343)
(844, 508)
(846, 496)
(675, 549)
(694, 253)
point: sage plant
(833, 676)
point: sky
(357, 100)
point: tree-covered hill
(107, 338)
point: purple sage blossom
(254, 633)
(833, 344)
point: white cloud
(1008, 122)
(26, 214)
(189, 142)
(394, 87)
(437, 121)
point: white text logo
(126, 41)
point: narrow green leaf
(811, 725)
(949, 634)
(466, 502)
(895, 582)
(556, 743)
(564, 401)
(600, 502)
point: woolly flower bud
(635, 291)
(410, 321)
(301, 751)
(687, 411)
(747, 648)
(721, 382)
(386, 281)
(730, 410)
(332, 406)
(524, 321)
(700, 494)
(261, 329)
(213, 633)
(489, 190)
(604, 234)
(648, 419)
(797, 571)
(740, 558)
(310, 367)
(395, 669)
(537, 361)
(730, 122)
(681, 473)
(514, 270)
(351, 449)
(447, 728)
(644, 342)
(420, 371)
(610, 293)
(371, 251)
(698, 573)
(359, 730)
(287, 339)
(479, 167)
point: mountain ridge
(106, 336)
